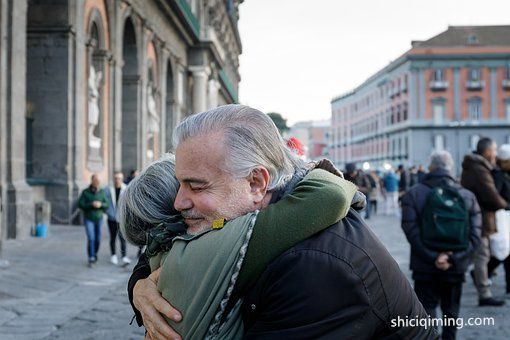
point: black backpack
(445, 219)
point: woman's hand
(148, 300)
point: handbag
(500, 241)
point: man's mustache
(190, 214)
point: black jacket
(502, 182)
(340, 284)
(423, 258)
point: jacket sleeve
(104, 200)
(142, 270)
(475, 230)
(486, 193)
(317, 202)
(83, 202)
(411, 227)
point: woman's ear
(259, 180)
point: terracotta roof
(469, 36)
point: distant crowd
(452, 224)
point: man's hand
(442, 262)
(148, 300)
(325, 164)
(96, 204)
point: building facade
(97, 86)
(315, 137)
(444, 93)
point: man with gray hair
(231, 160)
(437, 262)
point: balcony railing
(438, 85)
(474, 85)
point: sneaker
(491, 302)
(114, 260)
(125, 261)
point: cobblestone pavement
(48, 292)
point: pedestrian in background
(421, 173)
(93, 203)
(112, 196)
(132, 174)
(501, 175)
(391, 188)
(413, 176)
(404, 181)
(438, 264)
(477, 177)
(376, 192)
(361, 180)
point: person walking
(376, 192)
(439, 266)
(361, 180)
(391, 186)
(404, 182)
(112, 196)
(132, 175)
(93, 203)
(477, 177)
(421, 173)
(502, 181)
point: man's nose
(182, 200)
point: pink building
(444, 93)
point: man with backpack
(477, 177)
(442, 222)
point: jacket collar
(476, 158)
(438, 175)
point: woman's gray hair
(441, 160)
(148, 200)
(251, 138)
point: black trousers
(113, 226)
(494, 263)
(446, 294)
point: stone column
(200, 77)
(180, 88)
(212, 97)
(19, 205)
(163, 67)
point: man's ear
(259, 180)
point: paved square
(48, 292)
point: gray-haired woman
(204, 275)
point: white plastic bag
(500, 241)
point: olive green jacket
(200, 272)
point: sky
(299, 54)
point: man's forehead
(200, 155)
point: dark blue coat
(423, 258)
